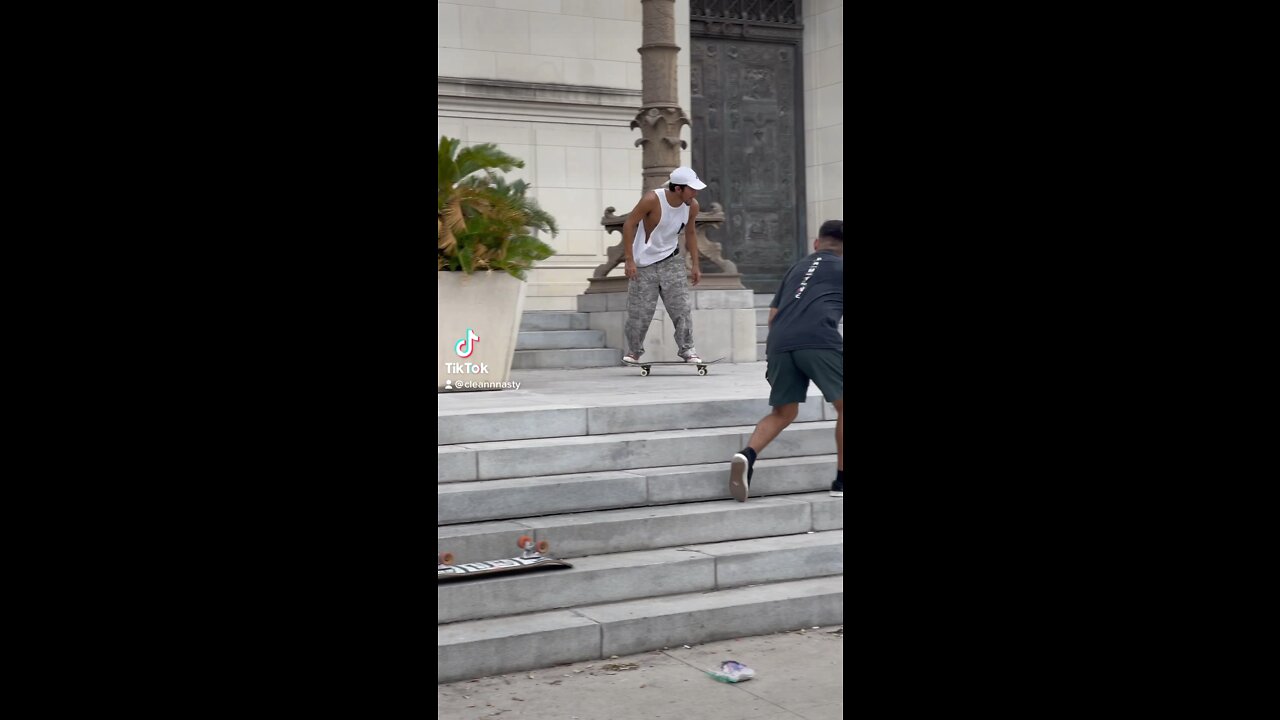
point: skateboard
(531, 559)
(644, 364)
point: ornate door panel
(748, 131)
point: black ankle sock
(751, 455)
(840, 476)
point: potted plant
(486, 244)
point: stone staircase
(635, 496)
(556, 339)
(561, 339)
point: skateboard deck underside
(462, 571)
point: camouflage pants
(668, 278)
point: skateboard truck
(702, 369)
(534, 557)
(532, 549)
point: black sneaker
(740, 476)
(837, 488)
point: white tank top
(665, 237)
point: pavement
(609, 386)
(799, 676)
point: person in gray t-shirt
(804, 344)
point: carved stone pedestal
(724, 276)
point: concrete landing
(799, 676)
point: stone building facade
(557, 83)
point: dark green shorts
(789, 374)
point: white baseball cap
(686, 176)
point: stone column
(723, 313)
(659, 121)
(660, 116)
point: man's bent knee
(787, 412)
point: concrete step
(559, 339)
(531, 321)
(709, 481)
(762, 316)
(760, 355)
(489, 424)
(566, 358)
(762, 300)
(628, 576)
(484, 500)
(605, 453)
(573, 535)
(494, 646)
(534, 496)
(501, 645)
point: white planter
(487, 306)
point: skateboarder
(651, 245)
(803, 345)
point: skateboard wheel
(702, 369)
(524, 542)
(446, 558)
(543, 546)
(644, 371)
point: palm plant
(484, 222)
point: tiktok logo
(466, 345)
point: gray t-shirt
(810, 304)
